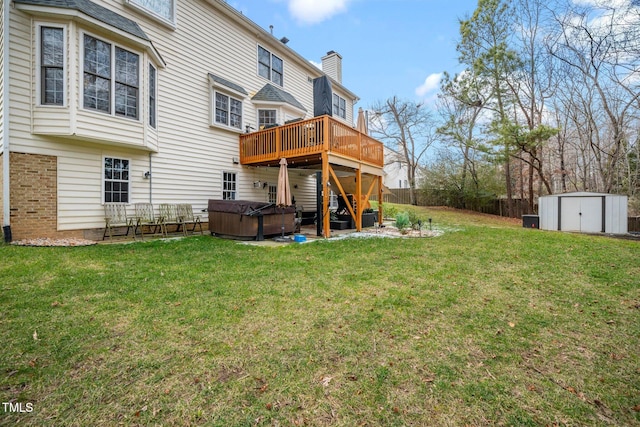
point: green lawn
(487, 324)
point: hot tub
(240, 219)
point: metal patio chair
(171, 216)
(146, 217)
(185, 212)
(115, 216)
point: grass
(488, 324)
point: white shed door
(581, 214)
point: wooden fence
(493, 207)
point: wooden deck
(321, 143)
(306, 141)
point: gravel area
(54, 242)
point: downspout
(6, 222)
(150, 181)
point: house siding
(2, 83)
(186, 154)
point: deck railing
(307, 137)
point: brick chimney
(332, 65)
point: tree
(460, 104)
(601, 44)
(406, 128)
(484, 49)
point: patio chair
(146, 217)
(185, 212)
(171, 216)
(115, 216)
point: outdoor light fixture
(264, 185)
(146, 175)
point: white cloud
(316, 64)
(431, 83)
(314, 11)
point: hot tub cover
(246, 207)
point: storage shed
(584, 212)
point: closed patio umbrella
(361, 123)
(283, 191)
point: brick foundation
(1, 190)
(34, 195)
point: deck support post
(326, 216)
(380, 217)
(359, 205)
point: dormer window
(270, 66)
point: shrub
(389, 211)
(402, 221)
(415, 218)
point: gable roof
(270, 93)
(95, 11)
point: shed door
(581, 214)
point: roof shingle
(95, 11)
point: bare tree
(604, 52)
(406, 128)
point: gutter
(6, 203)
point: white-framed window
(227, 110)
(267, 117)
(270, 66)
(52, 65)
(116, 180)
(273, 193)
(229, 186)
(163, 10)
(111, 78)
(333, 200)
(153, 96)
(339, 106)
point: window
(228, 186)
(116, 180)
(228, 110)
(270, 66)
(52, 65)
(266, 117)
(333, 200)
(99, 84)
(273, 192)
(163, 9)
(339, 106)
(152, 96)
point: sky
(388, 47)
